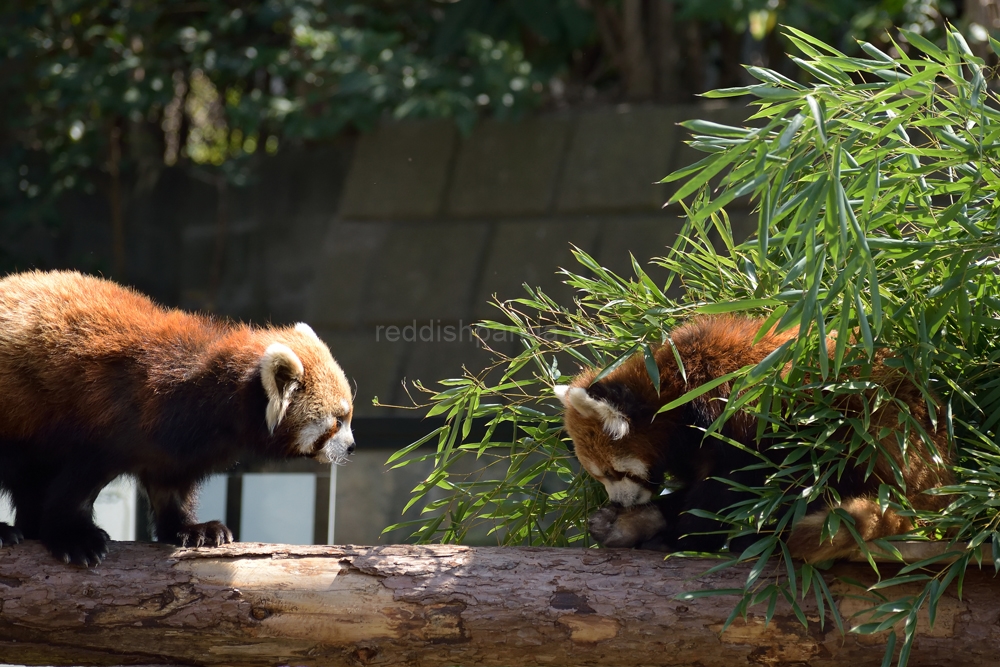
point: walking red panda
(621, 440)
(97, 381)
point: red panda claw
(10, 535)
(209, 534)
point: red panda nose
(351, 447)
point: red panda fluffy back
(621, 440)
(97, 381)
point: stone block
(400, 171)
(341, 272)
(373, 366)
(152, 236)
(312, 181)
(508, 168)
(194, 263)
(425, 271)
(435, 360)
(532, 252)
(209, 279)
(367, 483)
(371, 497)
(644, 237)
(286, 287)
(616, 158)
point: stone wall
(382, 242)
(431, 227)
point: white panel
(115, 508)
(212, 499)
(330, 535)
(278, 507)
(6, 511)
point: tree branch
(252, 604)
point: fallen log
(256, 604)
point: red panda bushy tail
(870, 522)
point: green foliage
(213, 83)
(96, 96)
(838, 22)
(874, 189)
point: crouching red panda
(621, 440)
(97, 381)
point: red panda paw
(77, 543)
(9, 535)
(625, 527)
(210, 534)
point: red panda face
(309, 398)
(609, 446)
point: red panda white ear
(615, 423)
(280, 372)
(302, 327)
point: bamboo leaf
(689, 396)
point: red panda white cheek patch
(632, 466)
(627, 492)
(309, 434)
(326, 441)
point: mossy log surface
(261, 604)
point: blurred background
(378, 169)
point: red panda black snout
(622, 440)
(97, 381)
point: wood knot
(365, 654)
(565, 600)
(260, 613)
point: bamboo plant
(877, 223)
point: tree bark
(986, 13)
(667, 60)
(252, 604)
(638, 72)
(115, 197)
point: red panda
(97, 381)
(621, 440)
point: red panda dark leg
(67, 516)
(698, 533)
(175, 520)
(9, 535)
(28, 500)
(27, 495)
